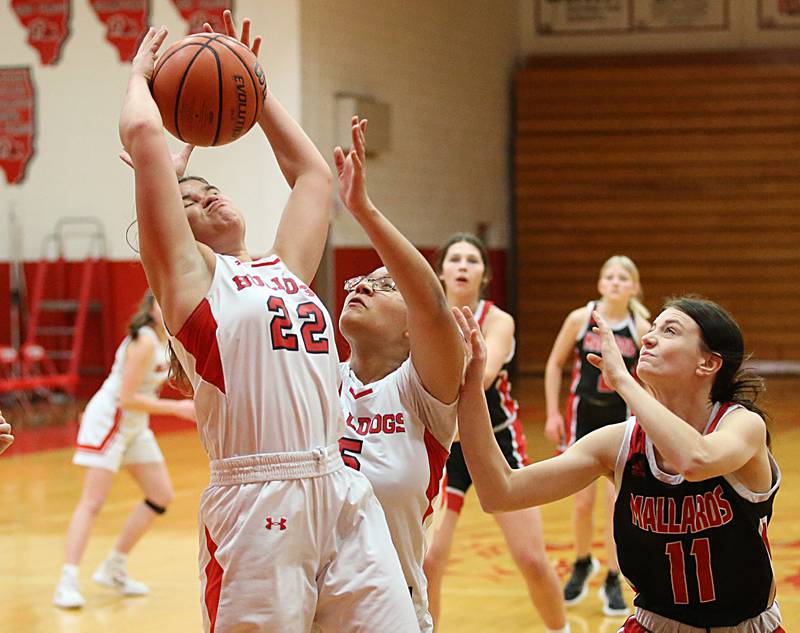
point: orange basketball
(209, 88)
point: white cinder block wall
(444, 68)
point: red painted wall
(127, 283)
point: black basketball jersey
(587, 380)
(503, 409)
(694, 551)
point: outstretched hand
(230, 30)
(179, 160)
(474, 343)
(145, 59)
(610, 362)
(351, 169)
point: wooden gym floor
(483, 591)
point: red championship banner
(195, 12)
(47, 22)
(126, 23)
(17, 116)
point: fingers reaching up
(351, 169)
(145, 59)
(230, 30)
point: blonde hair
(635, 304)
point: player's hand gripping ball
(210, 89)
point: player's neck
(460, 299)
(613, 311)
(370, 368)
(689, 401)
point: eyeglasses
(382, 284)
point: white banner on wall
(779, 14)
(564, 17)
(681, 15)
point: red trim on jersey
(506, 401)
(199, 336)
(271, 262)
(360, 394)
(104, 444)
(637, 440)
(723, 409)
(518, 437)
(762, 530)
(484, 312)
(214, 574)
(437, 458)
(569, 422)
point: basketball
(209, 88)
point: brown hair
(721, 335)
(142, 316)
(177, 375)
(477, 242)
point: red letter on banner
(46, 21)
(17, 110)
(195, 12)
(126, 23)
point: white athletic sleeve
(439, 418)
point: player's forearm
(412, 273)
(139, 113)
(488, 468)
(296, 154)
(674, 438)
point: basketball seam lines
(183, 81)
(249, 74)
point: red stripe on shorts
(106, 439)
(214, 573)
(632, 626)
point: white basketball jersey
(152, 380)
(260, 354)
(399, 436)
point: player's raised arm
(303, 229)
(436, 347)
(175, 267)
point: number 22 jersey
(260, 354)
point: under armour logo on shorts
(281, 523)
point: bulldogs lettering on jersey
(398, 435)
(696, 552)
(263, 329)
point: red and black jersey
(587, 380)
(503, 409)
(694, 551)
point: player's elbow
(134, 131)
(696, 466)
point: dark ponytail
(722, 336)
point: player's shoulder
(578, 316)
(497, 318)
